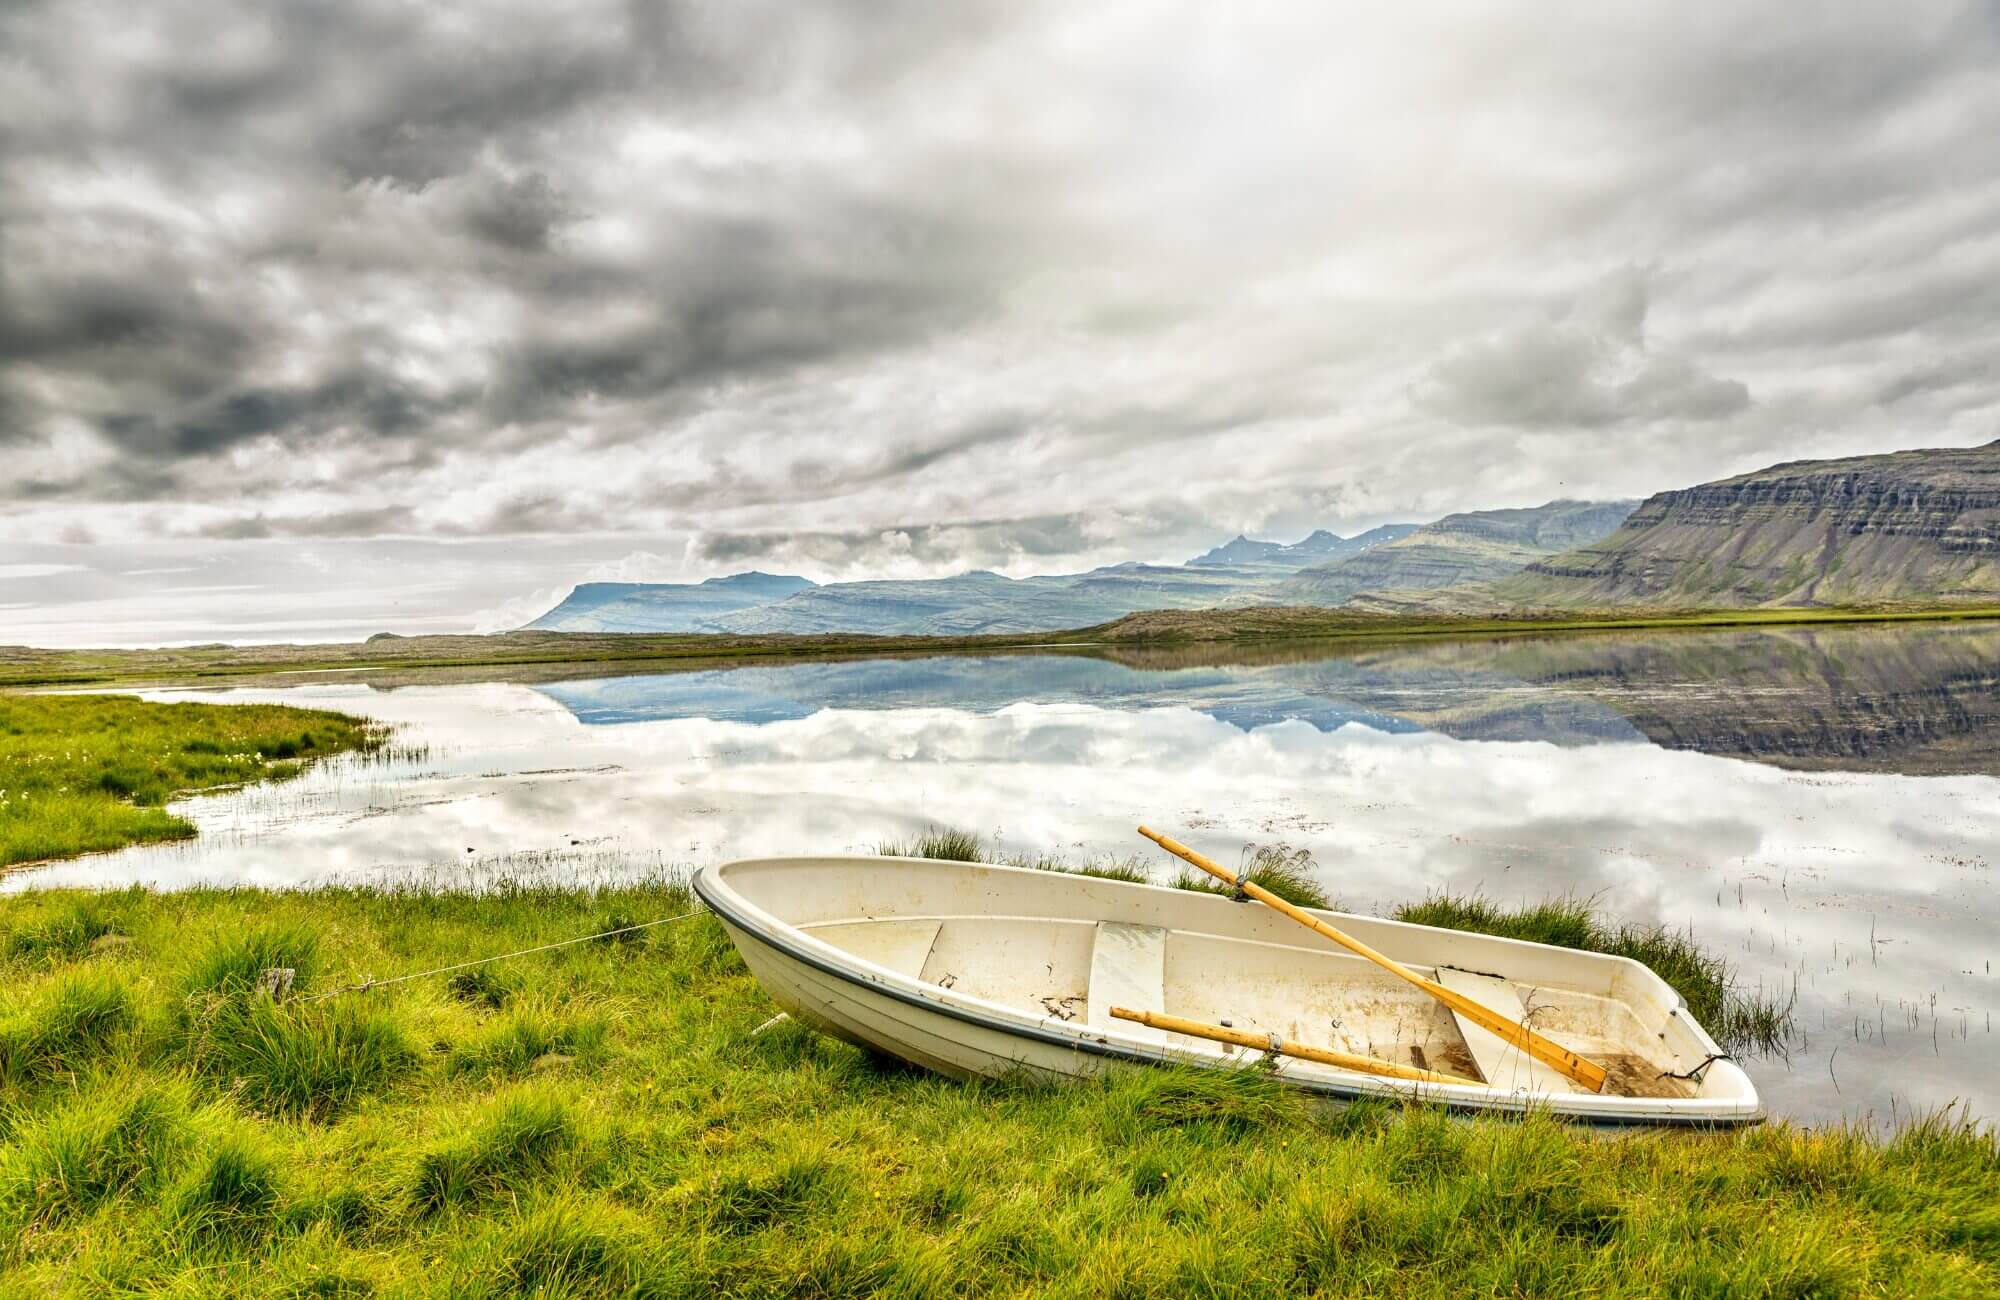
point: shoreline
(28, 668)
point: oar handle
(1553, 1054)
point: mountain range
(1918, 525)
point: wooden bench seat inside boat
(1128, 968)
(1500, 1063)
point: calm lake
(1822, 807)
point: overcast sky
(351, 315)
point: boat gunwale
(1613, 1111)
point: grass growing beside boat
(1278, 868)
(1737, 1019)
(86, 773)
(1285, 871)
(602, 1119)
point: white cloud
(8, 571)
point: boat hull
(931, 1027)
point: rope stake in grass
(368, 984)
(1589, 1074)
(1278, 1046)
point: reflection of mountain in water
(1326, 693)
(1920, 699)
(978, 685)
(1915, 699)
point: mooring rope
(372, 983)
(1694, 1075)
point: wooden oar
(1589, 1074)
(1286, 1047)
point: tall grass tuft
(65, 933)
(479, 987)
(775, 1191)
(230, 1196)
(68, 1025)
(503, 1153)
(1737, 1020)
(565, 1247)
(1129, 870)
(299, 1060)
(525, 1036)
(118, 1138)
(946, 842)
(1285, 871)
(234, 963)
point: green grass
(86, 773)
(950, 844)
(676, 1152)
(1737, 1019)
(1287, 872)
(54, 1028)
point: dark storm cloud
(518, 213)
(1588, 366)
(382, 521)
(172, 350)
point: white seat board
(1128, 968)
(902, 946)
(1505, 1066)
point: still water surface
(1823, 807)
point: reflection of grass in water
(87, 773)
(1739, 1021)
(680, 1153)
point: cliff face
(1472, 547)
(1913, 525)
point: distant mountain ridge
(1909, 525)
(1315, 549)
(1476, 546)
(968, 603)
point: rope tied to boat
(1694, 1075)
(372, 983)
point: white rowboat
(977, 970)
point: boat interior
(1070, 948)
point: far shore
(29, 667)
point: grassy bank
(22, 666)
(605, 1119)
(86, 773)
